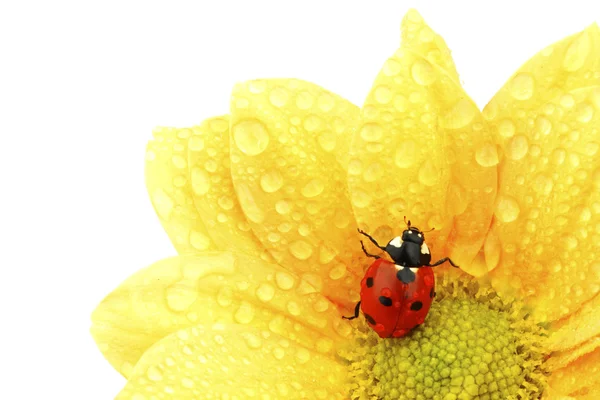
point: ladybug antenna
(407, 223)
(429, 230)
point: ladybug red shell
(395, 296)
(391, 307)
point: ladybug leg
(371, 239)
(366, 252)
(443, 260)
(356, 309)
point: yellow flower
(263, 206)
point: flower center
(472, 345)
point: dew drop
(282, 207)
(506, 128)
(284, 280)
(391, 67)
(187, 383)
(154, 374)
(558, 156)
(337, 272)
(163, 203)
(397, 207)
(542, 184)
(225, 296)
(567, 100)
(429, 175)
(327, 140)
(200, 181)
(196, 143)
(383, 94)
(373, 172)
(543, 126)
(278, 97)
(179, 161)
(326, 102)
(313, 188)
(199, 241)
(304, 100)
(361, 199)
(517, 147)
(460, 115)
(371, 132)
(271, 181)
(521, 86)
(577, 52)
(249, 205)
(423, 73)
(585, 112)
(487, 155)
(244, 314)
(507, 209)
(251, 137)
(180, 296)
(265, 292)
(406, 154)
(301, 249)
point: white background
(82, 84)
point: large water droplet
(271, 181)
(577, 52)
(361, 199)
(244, 314)
(199, 241)
(521, 86)
(429, 175)
(313, 188)
(506, 128)
(304, 100)
(517, 147)
(371, 132)
(391, 67)
(251, 137)
(507, 209)
(278, 97)
(327, 140)
(383, 94)
(180, 296)
(487, 155)
(460, 115)
(542, 184)
(162, 202)
(406, 154)
(249, 205)
(301, 249)
(200, 181)
(423, 73)
(284, 280)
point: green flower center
(472, 345)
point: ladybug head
(412, 234)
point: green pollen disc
(473, 345)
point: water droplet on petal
(429, 175)
(391, 67)
(301, 249)
(406, 154)
(327, 140)
(313, 188)
(577, 52)
(278, 97)
(249, 205)
(371, 132)
(271, 181)
(265, 292)
(487, 155)
(423, 73)
(521, 86)
(460, 115)
(154, 374)
(251, 137)
(199, 241)
(304, 100)
(163, 203)
(284, 280)
(507, 209)
(244, 314)
(383, 94)
(517, 147)
(180, 296)
(200, 181)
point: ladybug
(395, 296)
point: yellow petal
(578, 327)
(418, 37)
(212, 188)
(170, 190)
(180, 292)
(289, 146)
(547, 218)
(562, 358)
(233, 362)
(434, 154)
(578, 375)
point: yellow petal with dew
(434, 152)
(223, 287)
(289, 144)
(577, 327)
(418, 37)
(212, 188)
(547, 122)
(170, 190)
(233, 362)
(560, 359)
(579, 376)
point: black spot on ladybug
(405, 275)
(369, 282)
(416, 306)
(386, 301)
(432, 293)
(370, 319)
